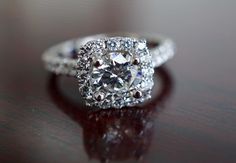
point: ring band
(112, 71)
(62, 58)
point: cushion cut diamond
(116, 73)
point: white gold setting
(109, 73)
(112, 72)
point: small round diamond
(97, 46)
(127, 44)
(141, 45)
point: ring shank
(59, 59)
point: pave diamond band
(112, 71)
(61, 59)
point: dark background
(193, 120)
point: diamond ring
(112, 72)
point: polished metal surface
(192, 120)
(59, 59)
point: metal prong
(136, 61)
(99, 96)
(137, 94)
(98, 63)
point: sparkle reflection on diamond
(117, 72)
(116, 76)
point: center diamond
(116, 72)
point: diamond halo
(115, 72)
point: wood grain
(191, 119)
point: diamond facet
(116, 73)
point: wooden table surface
(191, 118)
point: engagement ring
(112, 71)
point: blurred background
(203, 29)
(196, 123)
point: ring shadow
(115, 134)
